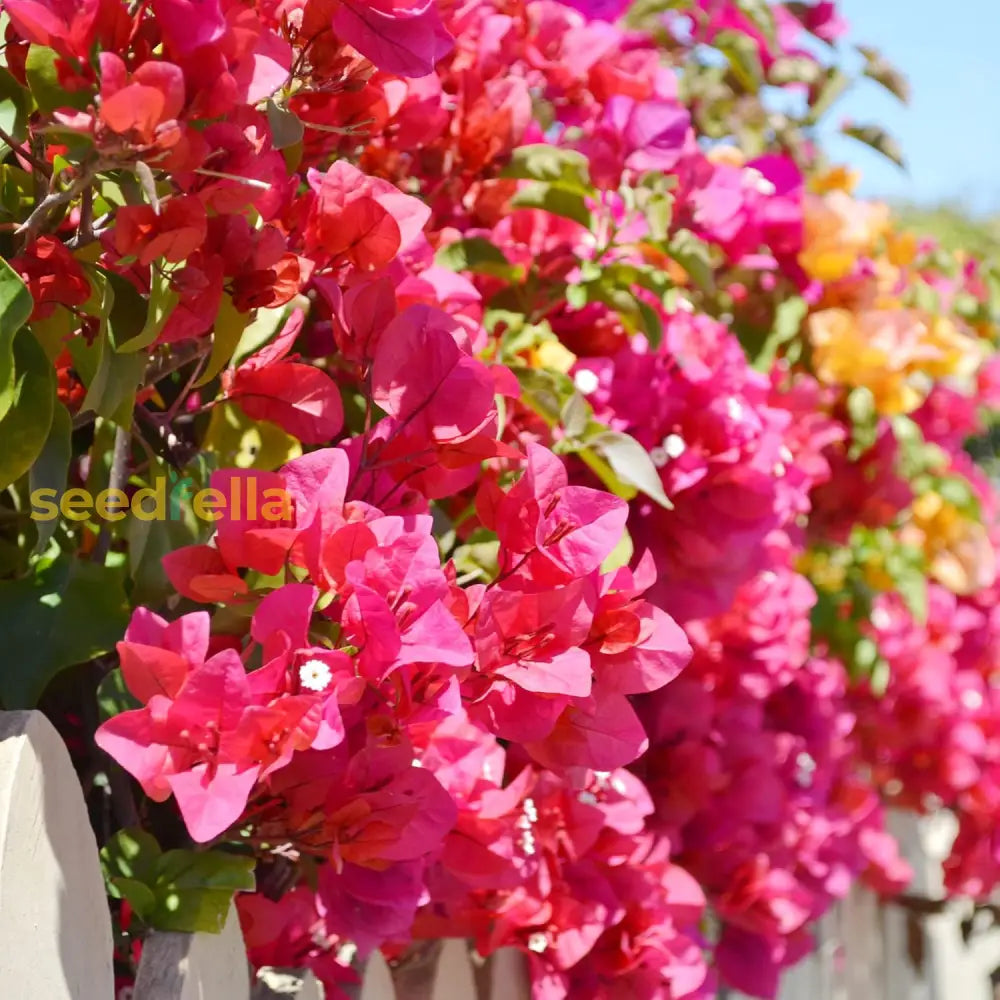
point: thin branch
(53, 200)
(116, 481)
(19, 148)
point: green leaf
(69, 612)
(577, 296)
(547, 392)
(25, 428)
(112, 386)
(911, 584)
(694, 256)
(51, 469)
(630, 463)
(131, 854)
(286, 126)
(478, 560)
(15, 106)
(864, 419)
(113, 697)
(788, 318)
(124, 312)
(265, 324)
(155, 313)
(621, 555)
(744, 58)
(178, 890)
(877, 138)
(194, 890)
(652, 325)
(562, 201)
(230, 325)
(475, 254)
(42, 75)
(825, 94)
(16, 305)
(761, 15)
(879, 69)
(658, 212)
(150, 541)
(575, 416)
(794, 69)
(565, 167)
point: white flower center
(805, 769)
(314, 675)
(538, 942)
(674, 445)
(753, 178)
(972, 700)
(586, 381)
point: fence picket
(199, 966)
(55, 930)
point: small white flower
(779, 469)
(346, 953)
(530, 811)
(786, 454)
(880, 618)
(753, 178)
(538, 942)
(972, 700)
(416, 762)
(734, 408)
(805, 769)
(528, 842)
(586, 381)
(315, 675)
(674, 445)
(659, 457)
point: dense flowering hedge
(627, 560)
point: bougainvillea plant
(475, 469)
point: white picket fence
(55, 932)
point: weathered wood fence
(55, 931)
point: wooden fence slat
(454, 978)
(199, 966)
(377, 982)
(55, 928)
(509, 975)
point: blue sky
(950, 132)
